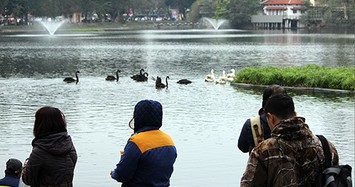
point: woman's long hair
(49, 120)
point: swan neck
(77, 77)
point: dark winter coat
(246, 141)
(291, 157)
(51, 162)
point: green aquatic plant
(342, 77)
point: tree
(46, 8)
(118, 8)
(199, 9)
(238, 12)
(340, 11)
(181, 5)
(15, 8)
(223, 9)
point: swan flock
(143, 76)
(222, 79)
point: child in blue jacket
(149, 155)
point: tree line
(116, 8)
(238, 12)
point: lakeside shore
(145, 25)
(311, 90)
(103, 26)
(78, 27)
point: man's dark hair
(280, 105)
(271, 90)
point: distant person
(12, 173)
(53, 156)
(149, 155)
(292, 156)
(248, 138)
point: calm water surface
(204, 119)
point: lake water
(204, 119)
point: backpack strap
(343, 171)
(326, 151)
(331, 178)
(257, 130)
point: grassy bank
(304, 76)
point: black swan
(142, 78)
(184, 81)
(112, 78)
(159, 84)
(71, 79)
(134, 77)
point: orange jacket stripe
(151, 139)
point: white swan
(210, 77)
(231, 75)
(222, 79)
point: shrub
(342, 77)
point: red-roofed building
(290, 9)
(280, 14)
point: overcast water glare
(204, 119)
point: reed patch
(342, 77)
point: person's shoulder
(267, 145)
(247, 122)
(7, 181)
(333, 150)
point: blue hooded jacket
(10, 180)
(149, 154)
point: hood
(147, 113)
(55, 144)
(292, 129)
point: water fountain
(216, 23)
(52, 26)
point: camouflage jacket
(292, 157)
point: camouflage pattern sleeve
(256, 172)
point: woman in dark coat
(53, 156)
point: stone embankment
(299, 89)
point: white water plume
(52, 26)
(216, 23)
